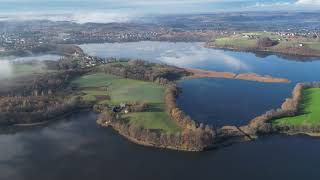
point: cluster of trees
(61, 49)
(49, 83)
(297, 128)
(31, 109)
(130, 107)
(42, 98)
(69, 62)
(177, 114)
(264, 42)
(46, 84)
(291, 105)
(142, 70)
(205, 133)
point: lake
(229, 102)
(219, 101)
(77, 148)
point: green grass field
(235, 41)
(310, 110)
(244, 40)
(153, 120)
(314, 45)
(120, 89)
(95, 80)
(126, 90)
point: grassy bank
(112, 90)
(309, 110)
(286, 43)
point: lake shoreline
(298, 57)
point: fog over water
(7, 64)
(5, 69)
(44, 57)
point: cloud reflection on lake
(179, 54)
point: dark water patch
(229, 102)
(77, 148)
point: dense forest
(43, 97)
(46, 84)
(145, 71)
(35, 109)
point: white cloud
(79, 17)
(198, 55)
(308, 2)
(266, 5)
(100, 17)
(106, 11)
(285, 5)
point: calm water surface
(229, 102)
(76, 148)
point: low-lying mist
(47, 57)
(20, 68)
(6, 69)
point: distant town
(27, 35)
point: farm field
(112, 90)
(309, 110)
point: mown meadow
(309, 110)
(112, 90)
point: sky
(124, 10)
